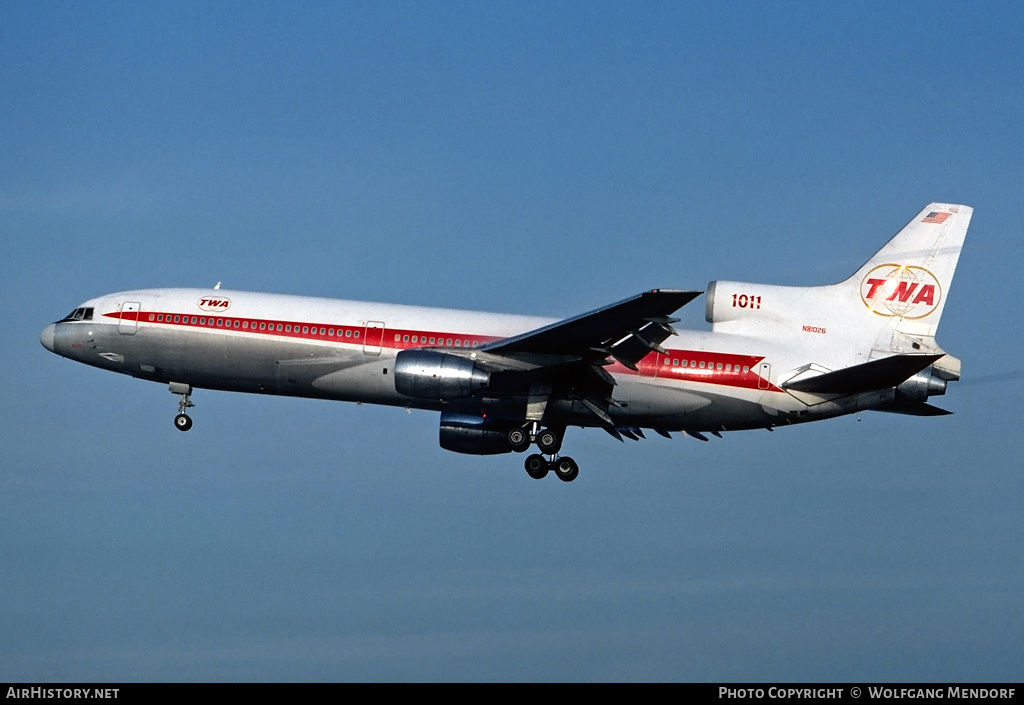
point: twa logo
(896, 290)
(214, 304)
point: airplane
(775, 355)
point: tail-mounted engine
(921, 386)
(428, 374)
(726, 302)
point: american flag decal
(936, 217)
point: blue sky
(540, 158)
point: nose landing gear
(182, 421)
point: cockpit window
(79, 314)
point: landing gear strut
(182, 421)
(549, 441)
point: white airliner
(775, 355)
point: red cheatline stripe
(354, 335)
(728, 369)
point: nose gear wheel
(182, 421)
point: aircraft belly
(367, 379)
(674, 407)
(655, 400)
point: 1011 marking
(744, 301)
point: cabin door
(373, 336)
(129, 321)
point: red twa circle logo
(214, 303)
(900, 290)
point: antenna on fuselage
(217, 285)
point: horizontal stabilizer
(869, 376)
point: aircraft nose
(46, 337)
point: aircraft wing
(627, 330)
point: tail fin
(908, 279)
(893, 303)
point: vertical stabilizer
(906, 282)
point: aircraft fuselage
(345, 350)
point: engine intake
(428, 374)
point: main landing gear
(549, 442)
(182, 421)
(565, 468)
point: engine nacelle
(727, 301)
(428, 374)
(921, 386)
(463, 433)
